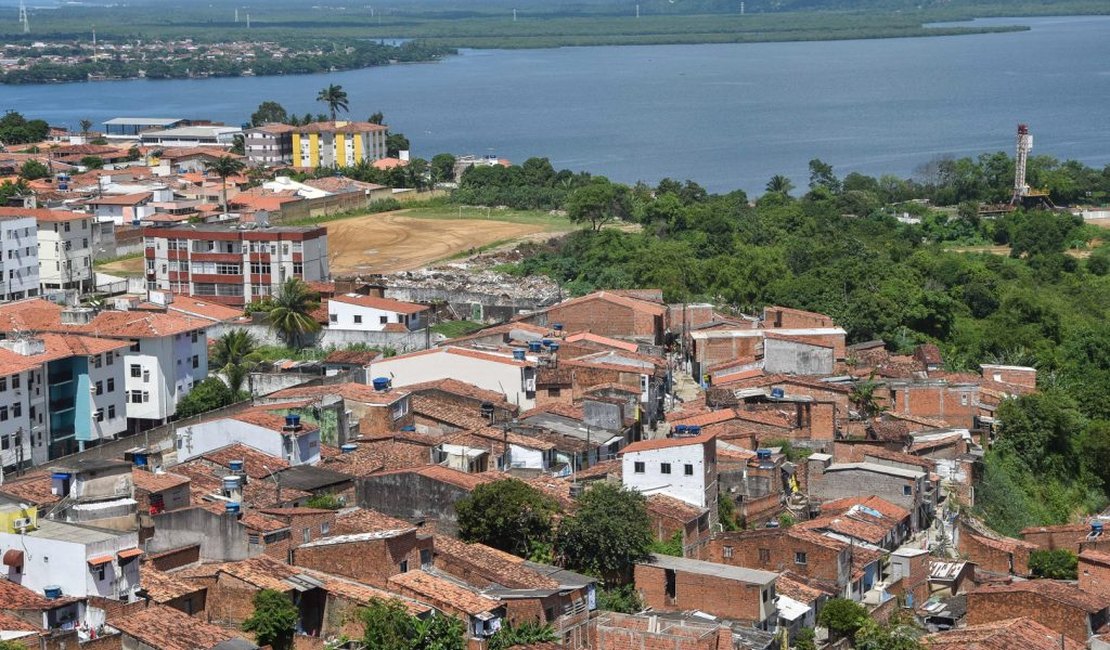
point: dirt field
(129, 266)
(387, 243)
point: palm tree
(335, 97)
(235, 356)
(86, 124)
(225, 166)
(780, 184)
(291, 312)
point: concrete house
(494, 371)
(1059, 606)
(682, 468)
(677, 584)
(905, 488)
(358, 313)
(284, 437)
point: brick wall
(605, 318)
(774, 550)
(175, 558)
(735, 600)
(990, 557)
(1094, 574)
(713, 351)
(822, 420)
(229, 601)
(625, 632)
(987, 607)
(377, 419)
(780, 317)
(956, 405)
(108, 642)
(1049, 538)
(370, 561)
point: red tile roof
(661, 505)
(1010, 634)
(121, 199)
(502, 568)
(443, 593)
(166, 628)
(383, 304)
(668, 443)
(43, 215)
(253, 459)
(602, 340)
(644, 306)
(882, 506)
(350, 391)
(1061, 592)
(365, 520)
(265, 418)
(151, 482)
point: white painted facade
(349, 315)
(59, 553)
(18, 393)
(199, 439)
(19, 258)
(108, 389)
(161, 371)
(681, 472)
(491, 371)
(64, 253)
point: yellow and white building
(337, 144)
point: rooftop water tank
(1096, 527)
(231, 483)
(380, 383)
(518, 355)
(554, 347)
(547, 343)
(139, 460)
(778, 393)
(52, 591)
(693, 430)
(293, 421)
(486, 409)
(347, 448)
(680, 429)
(231, 507)
(235, 465)
(558, 327)
(763, 454)
(535, 346)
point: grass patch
(446, 211)
(456, 328)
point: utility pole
(248, 21)
(23, 18)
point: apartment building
(65, 252)
(337, 144)
(19, 257)
(232, 266)
(270, 144)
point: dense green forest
(876, 254)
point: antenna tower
(1024, 146)
(24, 18)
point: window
(146, 396)
(298, 268)
(425, 557)
(665, 468)
(383, 319)
(99, 415)
(306, 535)
(15, 381)
(638, 467)
(17, 409)
(96, 361)
(404, 566)
(334, 318)
(554, 392)
(907, 490)
(688, 469)
(196, 361)
(358, 318)
(799, 557)
(99, 570)
(135, 397)
(259, 268)
(109, 358)
(99, 388)
(111, 411)
(3, 413)
(764, 555)
(325, 528)
(3, 383)
(253, 539)
(726, 551)
(111, 384)
(193, 336)
(963, 399)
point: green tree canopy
(509, 515)
(209, 394)
(235, 355)
(269, 112)
(443, 168)
(388, 624)
(225, 167)
(34, 170)
(273, 621)
(1057, 564)
(335, 98)
(607, 534)
(291, 310)
(598, 203)
(524, 634)
(16, 129)
(842, 617)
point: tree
(207, 395)
(290, 314)
(526, 633)
(597, 203)
(239, 144)
(395, 143)
(9, 189)
(92, 162)
(273, 621)
(780, 184)
(623, 599)
(609, 532)
(325, 501)
(387, 624)
(805, 639)
(376, 118)
(864, 398)
(34, 170)
(16, 129)
(509, 515)
(821, 175)
(269, 112)
(86, 124)
(235, 356)
(224, 167)
(843, 617)
(443, 168)
(1057, 564)
(335, 97)
(1039, 429)
(11, 645)
(872, 636)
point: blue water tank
(1096, 527)
(139, 460)
(535, 346)
(63, 185)
(554, 347)
(518, 355)
(558, 327)
(680, 429)
(408, 428)
(292, 420)
(380, 383)
(235, 465)
(52, 591)
(231, 507)
(231, 482)
(778, 393)
(693, 430)
(763, 454)
(547, 343)
(61, 475)
(347, 448)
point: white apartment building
(360, 313)
(231, 266)
(19, 257)
(280, 436)
(502, 373)
(681, 468)
(65, 253)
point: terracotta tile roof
(40, 315)
(447, 411)
(165, 628)
(612, 386)
(643, 306)
(10, 623)
(203, 309)
(206, 480)
(1061, 592)
(353, 357)
(382, 304)
(365, 520)
(340, 126)
(496, 434)
(381, 455)
(865, 528)
(449, 476)
(443, 593)
(604, 469)
(661, 505)
(502, 568)
(18, 597)
(163, 587)
(703, 419)
(294, 511)
(253, 459)
(151, 482)
(265, 418)
(884, 507)
(1097, 557)
(557, 488)
(1010, 634)
(461, 388)
(42, 215)
(361, 594)
(34, 488)
(121, 199)
(350, 391)
(569, 411)
(256, 520)
(861, 558)
(602, 340)
(1004, 544)
(668, 443)
(799, 591)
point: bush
(1057, 564)
(843, 617)
(208, 395)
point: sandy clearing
(390, 242)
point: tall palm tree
(235, 356)
(291, 312)
(335, 97)
(780, 184)
(86, 124)
(225, 166)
